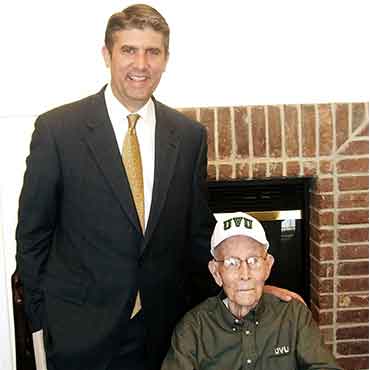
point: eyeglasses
(254, 263)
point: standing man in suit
(105, 273)
(113, 215)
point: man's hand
(283, 294)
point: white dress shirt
(145, 131)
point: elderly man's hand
(283, 294)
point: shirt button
(247, 332)
(249, 361)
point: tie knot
(132, 119)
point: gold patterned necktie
(133, 166)
(134, 170)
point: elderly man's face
(243, 285)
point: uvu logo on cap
(247, 222)
(237, 223)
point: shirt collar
(254, 315)
(118, 110)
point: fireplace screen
(282, 206)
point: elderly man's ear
(213, 268)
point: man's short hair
(138, 16)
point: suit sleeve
(37, 214)
(201, 284)
(311, 351)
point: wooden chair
(25, 357)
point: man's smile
(137, 77)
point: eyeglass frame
(237, 268)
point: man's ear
(106, 55)
(213, 268)
(269, 262)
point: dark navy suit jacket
(80, 249)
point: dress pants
(132, 351)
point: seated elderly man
(243, 327)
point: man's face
(136, 62)
(243, 286)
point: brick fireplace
(329, 142)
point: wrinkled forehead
(240, 245)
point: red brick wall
(330, 142)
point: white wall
(15, 133)
(222, 53)
(6, 327)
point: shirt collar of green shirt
(230, 321)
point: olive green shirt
(275, 335)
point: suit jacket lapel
(166, 151)
(101, 140)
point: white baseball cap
(237, 223)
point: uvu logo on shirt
(238, 222)
(282, 350)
